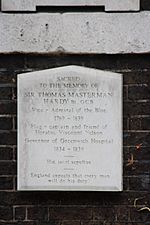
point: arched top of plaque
(70, 130)
(31, 5)
(73, 69)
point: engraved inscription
(69, 129)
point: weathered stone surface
(110, 5)
(70, 131)
(75, 33)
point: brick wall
(79, 208)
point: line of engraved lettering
(62, 110)
(70, 132)
(101, 141)
(45, 132)
(76, 94)
(73, 141)
(74, 118)
(67, 78)
(61, 176)
(90, 94)
(92, 132)
(41, 127)
(63, 149)
(75, 85)
(81, 162)
(56, 101)
(36, 141)
(40, 175)
(51, 94)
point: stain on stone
(46, 25)
(21, 32)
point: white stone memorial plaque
(70, 130)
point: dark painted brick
(12, 61)
(141, 182)
(139, 92)
(23, 223)
(31, 223)
(7, 168)
(6, 123)
(118, 61)
(8, 138)
(135, 138)
(137, 168)
(145, 5)
(145, 123)
(104, 214)
(142, 201)
(124, 198)
(122, 213)
(130, 223)
(72, 222)
(136, 108)
(8, 107)
(70, 213)
(94, 222)
(7, 77)
(139, 216)
(15, 182)
(125, 123)
(51, 222)
(5, 93)
(136, 77)
(37, 213)
(20, 213)
(15, 154)
(15, 121)
(142, 153)
(6, 183)
(125, 93)
(125, 183)
(6, 213)
(142, 123)
(125, 153)
(14, 95)
(8, 223)
(29, 198)
(69, 198)
(117, 223)
(6, 153)
(135, 123)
